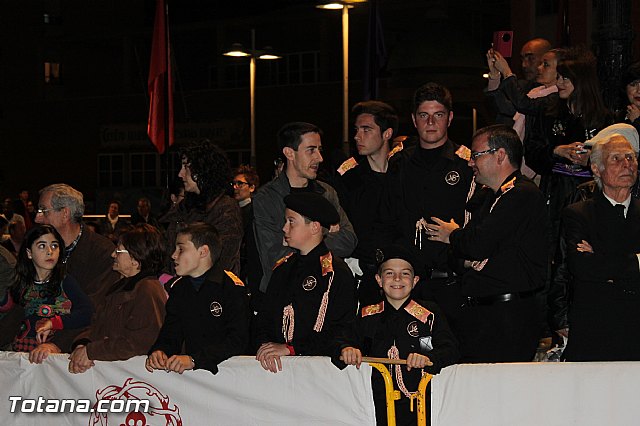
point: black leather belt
(499, 298)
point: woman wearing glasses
(128, 322)
(245, 182)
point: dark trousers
(500, 332)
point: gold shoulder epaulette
(372, 309)
(281, 261)
(507, 186)
(396, 149)
(347, 165)
(326, 261)
(464, 153)
(418, 311)
(236, 280)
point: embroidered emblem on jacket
(309, 283)
(215, 308)
(418, 311)
(452, 178)
(372, 309)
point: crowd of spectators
(428, 250)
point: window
(143, 170)
(51, 72)
(110, 170)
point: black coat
(604, 324)
(508, 230)
(360, 190)
(299, 281)
(417, 188)
(212, 322)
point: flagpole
(167, 88)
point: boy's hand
(156, 361)
(351, 356)
(269, 356)
(415, 360)
(179, 363)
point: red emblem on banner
(160, 410)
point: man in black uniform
(311, 296)
(504, 252)
(360, 184)
(429, 179)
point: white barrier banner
(542, 393)
(309, 391)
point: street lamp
(253, 54)
(345, 5)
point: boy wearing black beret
(311, 295)
(403, 328)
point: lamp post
(344, 5)
(253, 54)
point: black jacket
(420, 188)
(212, 322)
(603, 317)
(299, 281)
(509, 231)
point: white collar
(626, 203)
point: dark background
(86, 125)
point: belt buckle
(470, 303)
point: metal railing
(392, 395)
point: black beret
(397, 251)
(314, 206)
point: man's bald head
(531, 55)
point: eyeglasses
(475, 155)
(239, 183)
(44, 211)
(118, 251)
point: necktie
(619, 210)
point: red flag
(160, 83)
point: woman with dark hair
(631, 89)
(133, 312)
(206, 174)
(52, 300)
(556, 149)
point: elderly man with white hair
(603, 256)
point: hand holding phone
(503, 42)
